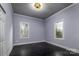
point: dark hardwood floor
(40, 49)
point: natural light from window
(59, 32)
(24, 30)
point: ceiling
(47, 10)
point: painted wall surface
(36, 29)
(70, 16)
(39, 31)
(9, 27)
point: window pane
(59, 30)
(24, 30)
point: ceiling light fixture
(38, 6)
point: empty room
(39, 29)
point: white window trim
(55, 30)
(20, 30)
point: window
(24, 29)
(59, 32)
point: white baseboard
(67, 48)
(15, 44)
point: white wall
(70, 16)
(36, 29)
(9, 27)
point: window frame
(20, 30)
(55, 30)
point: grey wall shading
(36, 29)
(9, 27)
(70, 16)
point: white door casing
(2, 34)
